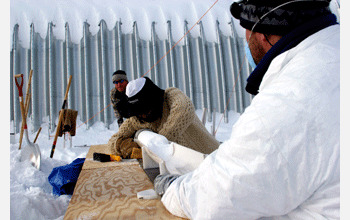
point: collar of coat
(117, 94)
(286, 43)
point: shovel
(30, 151)
(26, 106)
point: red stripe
(25, 127)
(54, 143)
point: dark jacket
(116, 96)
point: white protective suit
(282, 159)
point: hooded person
(120, 81)
(282, 159)
(167, 112)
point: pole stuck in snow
(37, 135)
(60, 118)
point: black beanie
(150, 97)
(278, 21)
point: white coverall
(282, 159)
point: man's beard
(256, 49)
(155, 113)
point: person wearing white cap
(120, 81)
(167, 112)
(282, 160)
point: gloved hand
(162, 182)
(124, 147)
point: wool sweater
(179, 123)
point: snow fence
(208, 72)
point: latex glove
(162, 182)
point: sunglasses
(120, 81)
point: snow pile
(41, 12)
(31, 194)
(75, 13)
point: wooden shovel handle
(27, 100)
(20, 93)
(19, 86)
(37, 134)
(26, 104)
(68, 86)
(24, 119)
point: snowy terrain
(30, 192)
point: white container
(170, 157)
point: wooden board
(109, 192)
(91, 164)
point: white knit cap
(135, 86)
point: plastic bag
(64, 178)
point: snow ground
(31, 194)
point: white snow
(41, 12)
(76, 12)
(31, 194)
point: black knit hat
(277, 17)
(149, 98)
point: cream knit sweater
(179, 123)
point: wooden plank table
(108, 191)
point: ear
(263, 41)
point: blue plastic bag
(64, 178)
